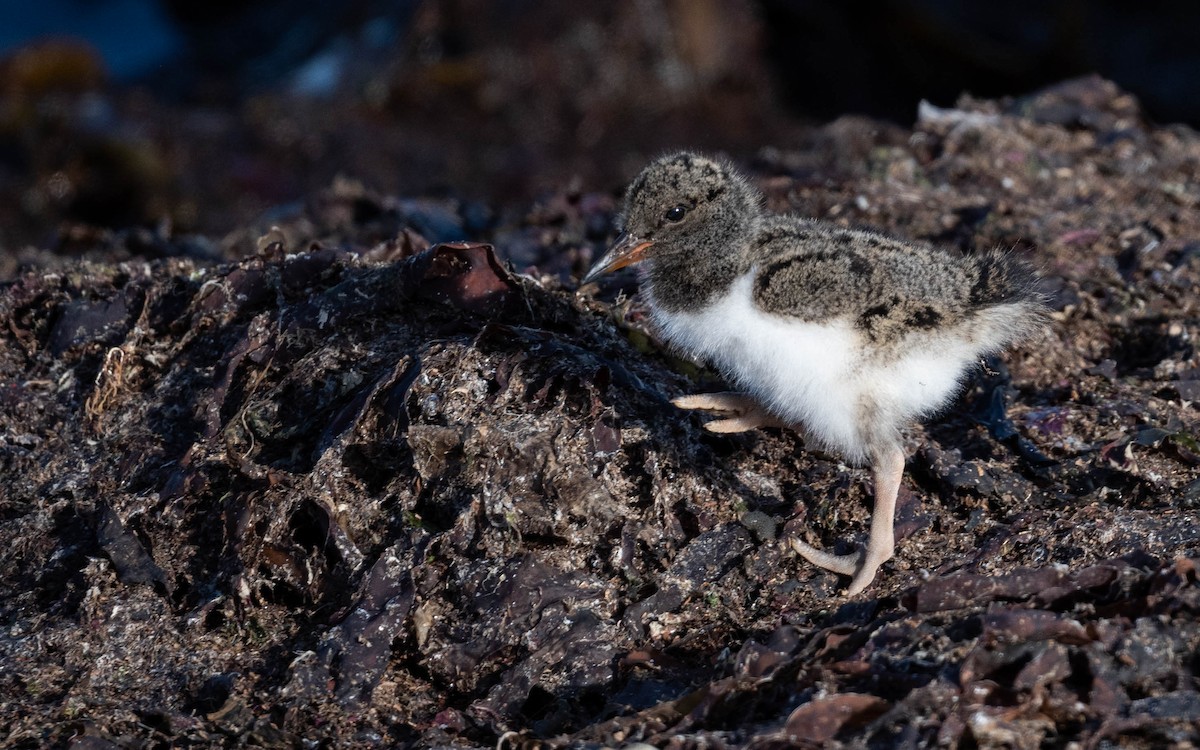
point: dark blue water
(134, 37)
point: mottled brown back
(816, 272)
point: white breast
(821, 375)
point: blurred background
(194, 118)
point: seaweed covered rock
(356, 490)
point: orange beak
(627, 251)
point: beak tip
(593, 273)
(626, 251)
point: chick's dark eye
(675, 214)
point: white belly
(821, 376)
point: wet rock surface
(358, 489)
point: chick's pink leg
(746, 412)
(888, 470)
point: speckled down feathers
(890, 290)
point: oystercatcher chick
(847, 336)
